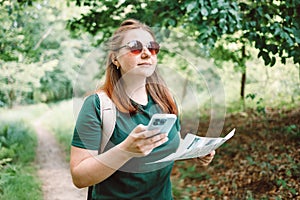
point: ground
(262, 161)
(53, 169)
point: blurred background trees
(40, 57)
(53, 50)
(228, 30)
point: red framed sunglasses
(136, 47)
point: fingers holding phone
(141, 141)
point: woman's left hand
(205, 160)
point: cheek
(154, 60)
(129, 62)
(132, 60)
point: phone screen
(163, 122)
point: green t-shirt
(135, 179)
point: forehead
(137, 34)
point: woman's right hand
(140, 142)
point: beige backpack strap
(108, 117)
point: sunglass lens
(153, 47)
(135, 47)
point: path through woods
(53, 169)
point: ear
(116, 62)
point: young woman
(134, 86)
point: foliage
(15, 137)
(201, 19)
(39, 59)
(17, 152)
(19, 182)
(227, 29)
(21, 2)
(18, 79)
(259, 108)
(33, 36)
(273, 27)
(19, 31)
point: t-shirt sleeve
(87, 131)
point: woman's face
(142, 64)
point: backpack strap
(108, 117)
(108, 121)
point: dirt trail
(53, 169)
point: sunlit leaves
(18, 31)
(18, 78)
(272, 27)
(38, 59)
(219, 17)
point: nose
(145, 53)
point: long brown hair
(114, 86)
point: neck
(135, 88)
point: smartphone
(163, 122)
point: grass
(25, 113)
(61, 123)
(19, 182)
(18, 178)
(18, 142)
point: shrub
(17, 152)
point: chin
(143, 71)
(147, 72)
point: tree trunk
(243, 80)
(243, 83)
(11, 98)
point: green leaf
(214, 11)
(265, 57)
(297, 35)
(204, 11)
(191, 6)
(283, 60)
(172, 22)
(272, 48)
(251, 96)
(273, 61)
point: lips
(144, 64)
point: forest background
(236, 63)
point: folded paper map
(194, 146)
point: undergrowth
(17, 153)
